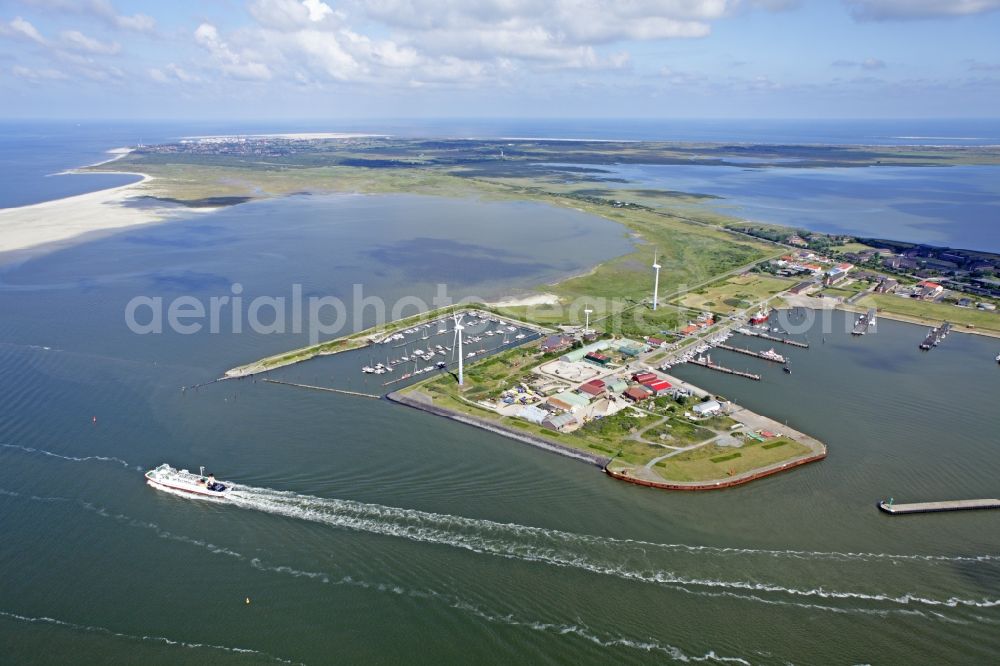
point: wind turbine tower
(586, 328)
(457, 346)
(656, 281)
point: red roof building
(636, 393)
(594, 387)
(659, 386)
(643, 377)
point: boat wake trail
(629, 560)
(577, 629)
(43, 452)
(163, 640)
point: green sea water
(364, 531)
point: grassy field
(738, 292)
(678, 432)
(698, 465)
(927, 312)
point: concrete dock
(728, 371)
(865, 322)
(935, 336)
(933, 507)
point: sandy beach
(526, 301)
(32, 226)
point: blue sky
(560, 58)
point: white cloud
(22, 29)
(37, 74)
(867, 63)
(102, 10)
(887, 10)
(980, 66)
(171, 73)
(78, 41)
(236, 64)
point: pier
(775, 358)
(935, 336)
(357, 394)
(728, 371)
(773, 338)
(891, 507)
(865, 323)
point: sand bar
(64, 219)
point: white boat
(201, 485)
(368, 369)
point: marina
(435, 345)
(935, 336)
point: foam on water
(104, 631)
(43, 452)
(598, 555)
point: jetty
(890, 507)
(935, 336)
(773, 338)
(357, 394)
(718, 368)
(773, 357)
(864, 323)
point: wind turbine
(656, 281)
(456, 346)
(586, 328)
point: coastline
(48, 225)
(61, 220)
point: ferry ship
(201, 485)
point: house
(555, 343)
(594, 387)
(569, 402)
(800, 287)
(636, 393)
(578, 354)
(656, 342)
(689, 329)
(797, 241)
(598, 358)
(707, 408)
(659, 387)
(559, 421)
(534, 414)
(964, 302)
(928, 290)
(632, 350)
(643, 377)
(886, 286)
(617, 387)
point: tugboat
(201, 485)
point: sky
(258, 59)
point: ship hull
(185, 489)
